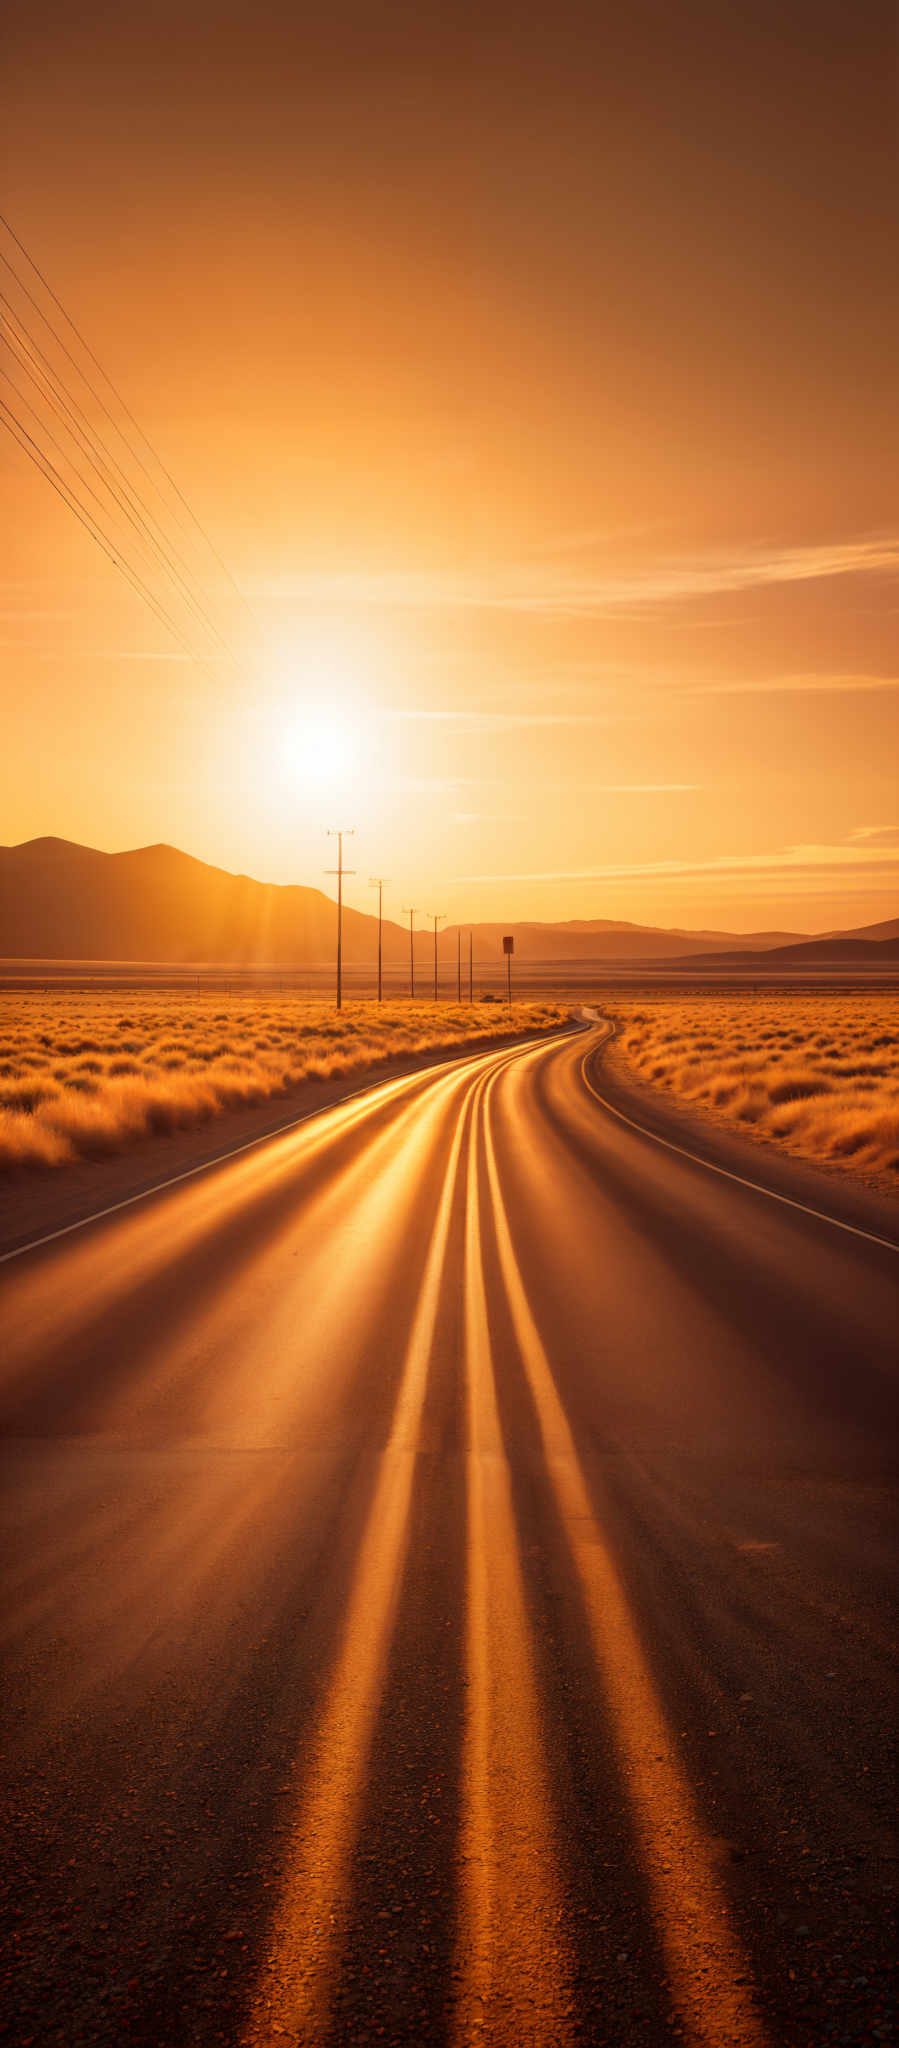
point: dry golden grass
(82, 1076)
(816, 1074)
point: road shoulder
(831, 1192)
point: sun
(318, 754)
(319, 719)
(323, 751)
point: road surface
(448, 1557)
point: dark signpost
(508, 949)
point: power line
(53, 374)
(41, 374)
(45, 430)
(64, 403)
(118, 397)
(67, 351)
(64, 490)
(128, 501)
(48, 386)
(104, 541)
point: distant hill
(61, 901)
(604, 939)
(888, 929)
(697, 938)
(841, 952)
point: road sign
(508, 944)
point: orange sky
(535, 379)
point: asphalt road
(448, 1557)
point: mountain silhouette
(155, 904)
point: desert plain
(812, 1074)
(86, 1076)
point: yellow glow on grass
(83, 1076)
(818, 1074)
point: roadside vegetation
(82, 1076)
(818, 1075)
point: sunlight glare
(318, 729)
(322, 751)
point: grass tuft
(80, 1081)
(819, 1075)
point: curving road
(448, 1557)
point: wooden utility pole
(377, 882)
(438, 917)
(410, 914)
(344, 832)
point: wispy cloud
(612, 788)
(559, 589)
(812, 681)
(876, 835)
(488, 818)
(862, 857)
(583, 539)
(64, 651)
(493, 721)
(36, 615)
(433, 785)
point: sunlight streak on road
(301, 1363)
(512, 1952)
(295, 1987)
(707, 1971)
(107, 1269)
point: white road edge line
(757, 1186)
(280, 1131)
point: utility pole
(377, 882)
(410, 914)
(345, 832)
(470, 970)
(438, 917)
